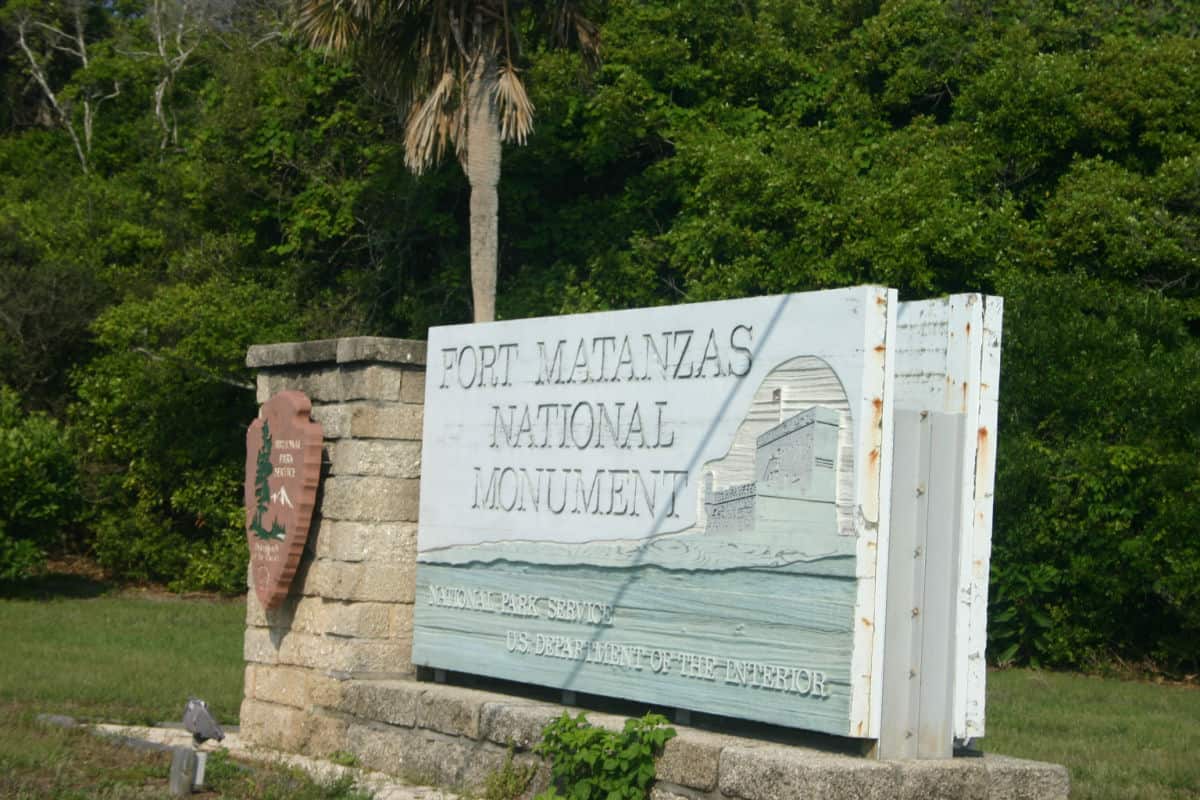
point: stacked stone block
(349, 613)
(455, 737)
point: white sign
(687, 505)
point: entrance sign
(695, 506)
(283, 467)
(688, 505)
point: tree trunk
(483, 174)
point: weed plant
(590, 763)
(510, 781)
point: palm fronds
(512, 102)
(425, 55)
(338, 24)
(432, 123)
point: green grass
(43, 762)
(1121, 740)
(122, 658)
(125, 658)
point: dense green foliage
(162, 399)
(39, 485)
(590, 763)
(1047, 152)
(1101, 453)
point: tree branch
(194, 368)
(61, 34)
(39, 75)
(79, 34)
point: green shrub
(1095, 547)
(38, 484)
(138, 544)
(19, 558)
(1018, 625)
(217, 563)
(589, 763)
(164, 408)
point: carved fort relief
(789, 470)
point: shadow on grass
(53, 585)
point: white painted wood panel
(980, 544)
(948, 361)
(871, 613)
(901, 693)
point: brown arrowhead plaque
(283, 467)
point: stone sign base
(456, 737)
(330, 670)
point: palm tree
(453, 67)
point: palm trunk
(483, 174)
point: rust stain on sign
(983, 457)
(983, 454)
(872, 476)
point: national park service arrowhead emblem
(283, 467)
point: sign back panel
(678, 505)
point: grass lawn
(70, 646)
(122, 658)
(42, 762)
(129, 658)
(1122, 740)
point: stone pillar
(348, 616)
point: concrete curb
(384, 787)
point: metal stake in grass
(187, 766)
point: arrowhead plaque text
(283, 467)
